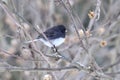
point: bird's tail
(35, 40)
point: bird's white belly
(55, 42)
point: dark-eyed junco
(55, 36)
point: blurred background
(96, 21)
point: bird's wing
(51, 34)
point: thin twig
(111, 65)
(97, 15)
(35, 69)
(3, 6)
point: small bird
(54, 36)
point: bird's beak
(66, 31)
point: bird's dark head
(62, 28)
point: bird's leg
(57, 55)
(54, 49)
